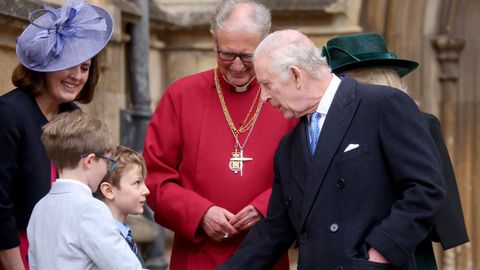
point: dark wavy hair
(35, 81)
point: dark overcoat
(384, 193)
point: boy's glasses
(111, 163)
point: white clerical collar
(239, 89)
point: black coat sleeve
(449, 228)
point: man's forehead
(261, 69)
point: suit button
(340, 183)
(303, 239)
(334, 227)
(288, 200)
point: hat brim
(73, 53)
(401, 66)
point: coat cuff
(384, 244)
(9, 238)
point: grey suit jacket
(70, 229)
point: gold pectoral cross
(236, 162)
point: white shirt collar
(328, 96)
(122, 227)
(64, 180)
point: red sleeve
(261, 201)
(176, 208)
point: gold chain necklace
(236, 161)
(247, 123)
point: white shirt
(327, 100)
(76, 182)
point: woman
(366, 58)
(58, 65)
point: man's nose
(237, 64)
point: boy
(124, 190)
(69, 229)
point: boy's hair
(125, 158)
(71, 134)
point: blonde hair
(71, 134)
(380, 76)
(124, 157)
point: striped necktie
(314, 131)
(131, 242)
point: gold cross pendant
(236, 162)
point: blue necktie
(131, 242)
(314, 131)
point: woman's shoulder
(16, 98)
(16, 103)
(15, 94)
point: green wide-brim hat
(366, 50)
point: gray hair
(260, 16)
(290, 47)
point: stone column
(448, 52)
(135, 119)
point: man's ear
(107, 190)
(297, 75)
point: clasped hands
(220, 224)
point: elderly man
(210, 144)
(357, 182)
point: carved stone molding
(448, 50)
(448, 53)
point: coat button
(303, 239)
(334, 227)
(288, 200)
(340, 183)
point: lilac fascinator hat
(65, 37)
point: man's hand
(245, 219)
(215, 224)
(375, 256)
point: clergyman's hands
(216, 225)
(245, 219)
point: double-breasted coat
(384, 193)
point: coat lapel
(300, 158)
(338, 120)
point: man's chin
(238, 81)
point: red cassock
(187, 150)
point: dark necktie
(314, 131)
(131, 242)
